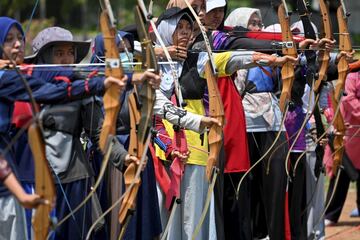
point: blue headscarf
(99, 49)
(6, 24)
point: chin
(19, 60)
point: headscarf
(98, 49)
(240, 17)
(6, 24)
(166, 28)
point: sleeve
(5, 170)
(351, 102)
(227, 63)
(49, 92)
(92, 116)
(264, 46)
(179, 116)
(164, 137)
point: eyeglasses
(256, 23)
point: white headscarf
(167, 27)
(241, 16)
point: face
(182, 33)
(14, 46)
(214, 18)
(199, 7)
(255, 23)
(64, 54)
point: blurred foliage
(81, 16)
(36, 26)
(12, 7)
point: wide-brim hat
(57, 35)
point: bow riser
(216, 110)
(113, 68)
(287, 71)
(324, 56)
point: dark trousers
(297, 198)
(77, 226)
(336, 205)
(237, 218)
(219, 196)
(268, 185)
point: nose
(257, 28)
(18, 43)
(69, 59)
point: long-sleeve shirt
(44, 90)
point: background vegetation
(81, 16)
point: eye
(9, 38)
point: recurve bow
(141, 114)
(216, 110)
(343, 69)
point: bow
(141, 114)
(324, 59)
(216, 110)
(172, 183)
(338, 122)
(343, 68)
(311, 68)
